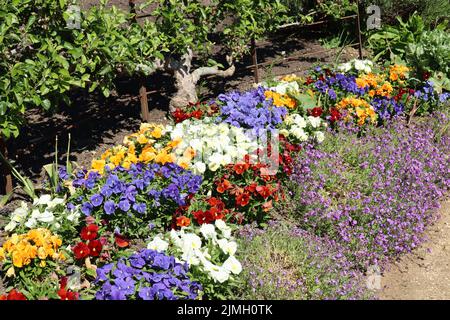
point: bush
(374, 194)
(286, 263)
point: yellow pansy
(142, 139)
(157, 133)
(98, 165)
(397, 72)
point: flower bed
(154, 218)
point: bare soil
(425, 273)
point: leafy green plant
(41, 58)
(392, 41)
(431, 52)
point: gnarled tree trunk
(186, 80)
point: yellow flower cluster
(377, 84)
(359, 108)
(146, 145)
(369, 80)
(398, 72)
(37, 243)
(290, 78)
(280, 100)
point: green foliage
(318, 9)
(431, 51)
(392, 41)
(281, 265)
(432, 12)
(420, 48)
(192, 24)
(41, 58)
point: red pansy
(95, 247)
(242, 199)
(183, 221)
(121, 241)
(89, 232)
(13, 295)
(315, 112)
(264, 191)
(81, 250)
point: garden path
(425, 273)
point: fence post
(359, 29)
(255, 60)
(6, 177)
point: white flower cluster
(214, 145)
(201, 249)
(44, 212)
(285, 87)
(300, 129)
(358, 65)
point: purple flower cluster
(377, 193)
(339, 82)
(250, 110)
(386, 108)
(121, 190)
(428, 94)
(146, 275)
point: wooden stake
(359, 30)
(144, 102)
(255, 60)
(6, 183)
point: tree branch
(207, 71)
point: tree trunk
(186, 81)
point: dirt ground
(425, 273)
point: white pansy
(221, 225)
(20, 213)
(314, 121)
(286, 87)
(226, 233)
(11, 226)
(55, 202)
(232, 265)
(359, 65)
(42, 200)
(191, 242)
(228, 247)
(215, 145)
(345, 67)
(299, 121)
(208, 231)
(320, 136)
(45, 217)
(199, 167)
(220, 276)
(31, 223)
(158, 244)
